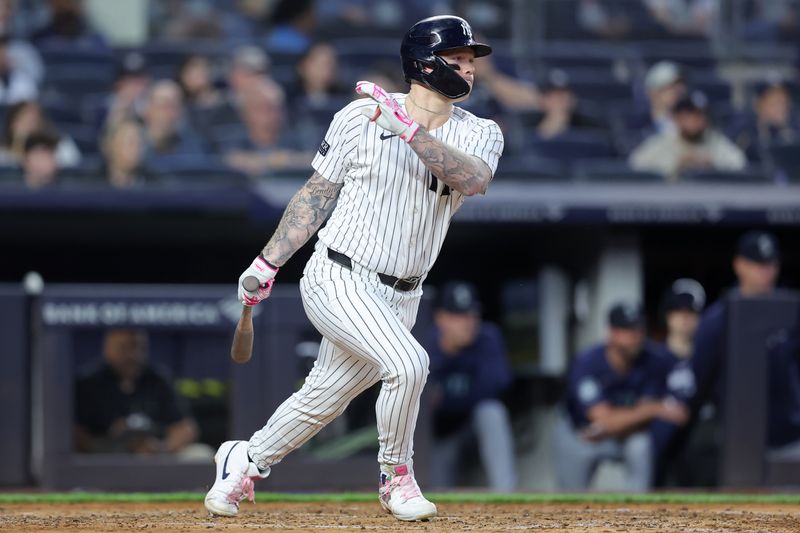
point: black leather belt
(404, 285)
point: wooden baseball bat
(242, 345)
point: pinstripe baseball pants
(366, 337)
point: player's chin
(462, 98)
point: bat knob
(250, 284)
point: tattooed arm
(465, 173)
(306, 212)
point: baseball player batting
(391, 172)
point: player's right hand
(389, 114)
(265, 274)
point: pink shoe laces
(246, 489)
(406, 485)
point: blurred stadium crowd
(607, 90)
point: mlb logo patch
(323, 148)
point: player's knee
(413, 372)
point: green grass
(454, 497)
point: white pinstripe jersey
(392, 214)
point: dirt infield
(189, 517)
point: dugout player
(614, 391)
(391, 172)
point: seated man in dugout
(614, 391)
(125, 405)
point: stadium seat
(612, 171)
(785, 160)
(748, 176)
(575, 145)
(528, 167)
(197, 170)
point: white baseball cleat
(401, 496)
(234, 481)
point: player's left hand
(389, 114)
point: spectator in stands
(681, 310)
(123, 150)
(68, 27)
(187, 20)
(316, 83)
(614, 391)
(604, 19)
(249, 69)
(293, 23)
(247, 23)
(266, 145)
(16, 83)
(197, 82)
(665, 85)
(166, 133)
(20, 52)
(560, 112)
(769, 20)
(770, 122)
(685, 18)
(21, 120)
(510, 92)
(130, 90)
(469, 375)
(39, 164)
(694, 146)
(125, 404)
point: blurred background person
(196, 80)
(559, 108)
(292, 25)
(769, 20)
(123, 149)
(124, 404)
(129, 92)
(22, 54)
(39, 162)
(614, 391)
(664, 85)
(695, 450)
(317, 81)
(695, 145)
(16, 82)
(21, 120)
(264, 145)
(770, 121)
(469, 375)
(166, 131)
(68, 27)
(685, 18)
(681, 308)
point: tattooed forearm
(463, 172)
(306, 212)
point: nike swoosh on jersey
(384, 136)
(225, 472)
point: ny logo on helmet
(467, 30)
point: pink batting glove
(265, 274)
(389, 114)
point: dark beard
(693, 138)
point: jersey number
(434, 186)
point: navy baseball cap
(759, 246)
(685, 294)
(624, 315)
(458, 297)
(694, 101)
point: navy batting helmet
(425, 40)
